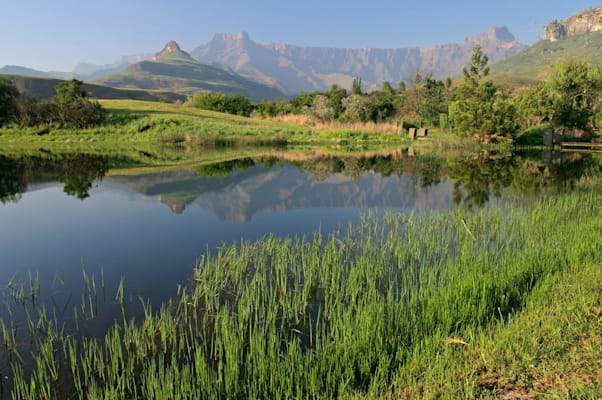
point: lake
(63, 214)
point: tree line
(70, 107)
(569, 100)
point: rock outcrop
(580, 24)
(171, 49)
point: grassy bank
(504, 301)
(131, 122)
(549, 350)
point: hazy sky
(58, 34)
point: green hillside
(537, 62)
(175, 71)
(43, 88)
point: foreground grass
(500, 302)
(551, 349)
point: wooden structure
(423, 132)
(412, 133)
(581, 145)
(551, 138)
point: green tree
(282, 106)
(480, 109)
(379, 106)
(8, 100)
(34, 112)
(69, 92)
(448, 83)
(433, 103)
(533, 105)
(207, 101)
(302, 101)
(322, 109)
(355, 108)
(411, 101)
(236, 105)
(356, 86)
(387, 88)
(336, 94)
(74, 109)
(574, 90)
(266, 109)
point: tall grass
(380, 127)
(320, 317)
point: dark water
(60, 214)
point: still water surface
(149, 228)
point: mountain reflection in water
(238, 189)
(64, 211)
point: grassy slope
(550, 349)
(152, 122)
(535, 63)
(187, 76)
(44, 88)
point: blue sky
(58, 34)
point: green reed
(330, 316)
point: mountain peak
(234, 37)
(171, 49)
(501, 33)
(495, 34)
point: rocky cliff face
(585, 22)
(302, 68)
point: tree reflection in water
(477, 177)
(76, 171)
(482, 175)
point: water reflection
(238, 188)
(480, 176)
(124, 228)
(77, 172)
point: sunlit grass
(132, 121)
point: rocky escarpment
(580, 24)
(294, 68)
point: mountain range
(235, 64)
(273, 69)
(173, 69)
(301, 68)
